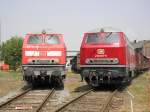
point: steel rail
(72, 101)
(45, 100)
(14, 98)
(108, 101)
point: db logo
(100, 51)
(42, 53)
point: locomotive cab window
(52, 39)
(34, 40)
(92, 38)
(107, 37)
(112, 38)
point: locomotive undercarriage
(52, 75)
(97, 76)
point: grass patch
(12, 74)
(139, 88)
(10, 81)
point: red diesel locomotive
(106, 57)
(44, 58)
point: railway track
(52, 101)
(29, 100)
(91, 101)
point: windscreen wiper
(108, 34)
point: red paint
(122, 50)
(43, 48)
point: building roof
(137, 44)
(140, 44)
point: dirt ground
(74, 85)
(9, 83)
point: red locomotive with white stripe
(44, 58)
(106, 57)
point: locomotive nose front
(102, 48)
(102, 57)
(47, 49)
(42, 55)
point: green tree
(11, 52)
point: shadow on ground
(103, 87)
(82, 88)
(41, 87)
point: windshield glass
(92, 38)
(107, 38)
(52, 39)
(33, 39)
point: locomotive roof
(43, 31)
(104, 29)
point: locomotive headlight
(88, 61)
(54, 61)
(54, 53)
(31, 53)
(116, 60)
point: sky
(74, 17)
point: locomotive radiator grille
(44, 61)
(102, 61)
